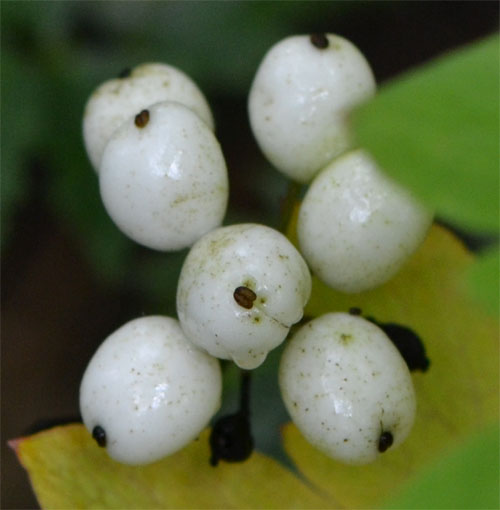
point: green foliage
(465, 478)
(436, 130)
(20, 134)
(483, 280)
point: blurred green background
(69, 276)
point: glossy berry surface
(163, 178)
(347, 388)
(356, 227)
(241, 288)
(113, 102)
(299, 100)
(147, 391)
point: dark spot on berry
(99, 435)
(141, 119)
(319, 40)
(408, 343)
(385, 441)
(244, 297)
(354, 310)
(125, 73)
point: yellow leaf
(457, 396)
(68, 470)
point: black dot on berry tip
(125, 73)
(320, 41)
(385, 441)
(99, 434)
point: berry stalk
(231, 438)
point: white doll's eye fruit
(147, 391)
(113, 102)
(347, 388)
(356, 228)
(163, 178)
(299, 100)
(240, 289)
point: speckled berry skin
(345, 385)
(299, 100)
(113, 102)
(164, 183)
(150, 389)
(356, 228)
(241, 288)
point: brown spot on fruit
(244, 297)
(319, 40)
(142, 118)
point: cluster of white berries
(155, 383)
(162, 175)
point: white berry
(149, 390)
(163, 178)
(299, 100)
(347, 388)
(240, 289)
(113, 102)
(356, 227)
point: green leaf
(458, 396)
(484, 279)
(68, 470)
(23, 113)
(436, 130)
(467, 478)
